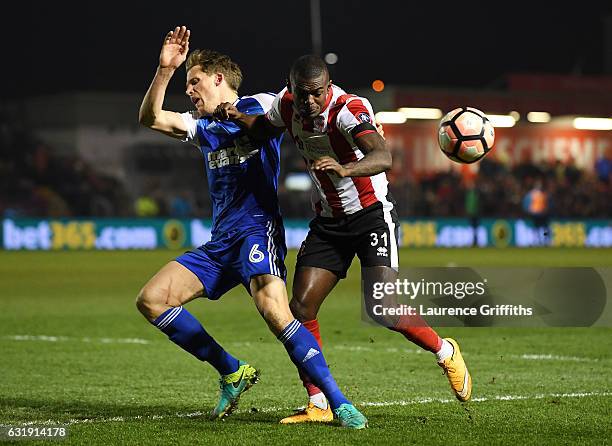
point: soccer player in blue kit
(247, 245)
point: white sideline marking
(360, 348)
(555, 358)
(44, 338)
(350, 348)
(484, 399)
(120, 419)
(528, 356)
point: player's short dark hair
(213, 62)
(308, 66)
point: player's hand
(380, 129)
(330, 165)
(226, 112)
(175, 48)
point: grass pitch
(76, 352)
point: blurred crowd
(500, 189)
(38, 181)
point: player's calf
(161, 302)
(270, 296)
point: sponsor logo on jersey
(314, 146)
(382, 252)
(238, 154)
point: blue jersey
(242, 174)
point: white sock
(446, 351)
(319, 400)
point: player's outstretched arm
(377, 159)
(257, 126)
(173, 53)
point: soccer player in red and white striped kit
(347, 159)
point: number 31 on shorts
(376, 239)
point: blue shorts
(225, 262)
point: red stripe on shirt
(345, 153)
(331, 193)
(357, 107)
(340, 145)
(367, 196)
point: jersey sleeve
(274, 114)
(356, 118)
(206, 132)
(191, 123)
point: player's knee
(301, 311)
(149, 303)
(142, 302)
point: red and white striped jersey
(331, 134)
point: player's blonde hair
(213, 62)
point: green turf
(113, 392)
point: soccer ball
(465, 135)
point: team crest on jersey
(319, 122)
(364, 117)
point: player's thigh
(311, 285)
(333, 253)
(173, 285)
(323, 259)
(210, 265)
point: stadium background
(78, 175)
(71, 147)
